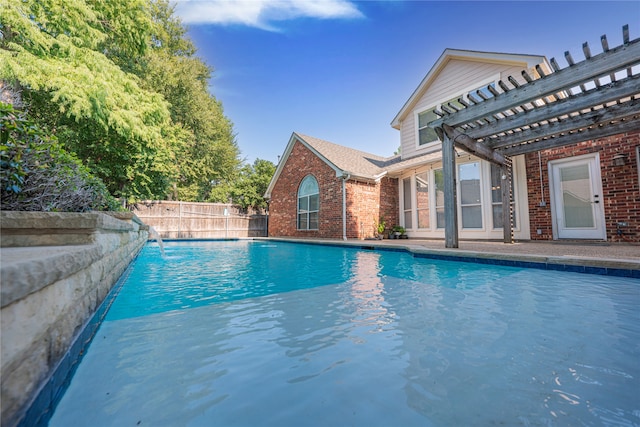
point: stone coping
(62, 228)
(28, 269)
(40, 248)
(64, 220)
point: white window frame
(415, 192)
(488, 230)
(481, 203)
(434, 198)
(516, 219)
(308, 211)
(410, 180)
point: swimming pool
(258, 333)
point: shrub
(38, 174)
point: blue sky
(340, 70)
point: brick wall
(366, 202)
(620, 186)
(284, 196)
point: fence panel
(183, 220)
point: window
(422, 199)
(406, 193)
(427, 135)
(496, 196)
(308, 204)
(470, 198)
(438, 178)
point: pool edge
(44, 404)
(608, 267)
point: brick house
(589, 190)
(325, 190)
(613, 164)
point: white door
(576, 191)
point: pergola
(594, 98)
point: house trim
(292, 140)
(487, 231)
(528, 61)
(436, 145)
(595, 176)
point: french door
(576, 196)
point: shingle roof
(357, 163)
(360, 164)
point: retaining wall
(56, 270)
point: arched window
(308, 204)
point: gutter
(345, 176)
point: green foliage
(399, 229)
(119, 83)
(53, 47)
(252, 183)
(37, 174)
(209, 152)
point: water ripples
(370, 338)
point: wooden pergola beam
(605, 94)
(606, 115)
(506, 176)
(538, 115)
(553, 141)
(450, 197)
(472, 146)
(611, 61)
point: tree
(252, 183)
(55, 51)
(119, 84)
(37, 174)
(209, 153)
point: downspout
(345, 177)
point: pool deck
(567, 255)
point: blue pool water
(279, 334)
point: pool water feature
(258, 333)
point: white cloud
(262, 13)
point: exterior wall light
(619, 159)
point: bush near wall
(38, 174)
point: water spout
(153, 235)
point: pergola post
(450, 208)
(507, 213)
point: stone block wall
(51, 289)
(620, 185)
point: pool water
(279, 334)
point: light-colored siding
(456, 77)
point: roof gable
(526, 61)
(346, 162)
